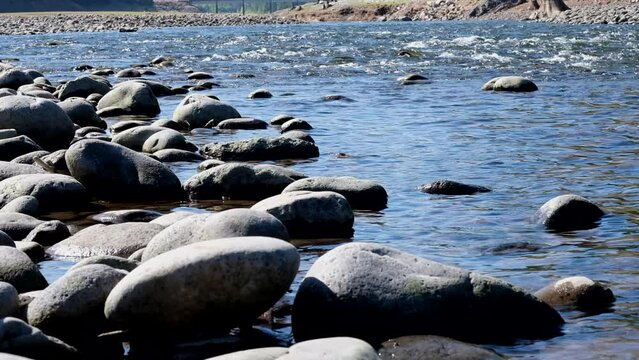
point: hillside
(75, 5)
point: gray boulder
(82, 113)
(308, 214)
(130, 176)
(158, 89)
(53, 191)
(29, 158)
(175, 155)
(9, 169)
(41, 120)
(55, 161)
(6, 240)
(17, 146)
(33, 250)
(510, 83)
(242, 124)
(14, 78)
(18, 270)
(204, 285)
(433, 348)
(182, 232)
(280, 119)
(128, 73)
(374, 292)
(172, 217)
(236, 181)
(7, 133)
(261, 149)
(198, 110)
(280, 170)
(578, 291)
(121, 126)
(448, 187)
(295, 124)
(170, 124)
(132, 98)
(116, 240)
(19, 338)
(361, 194)
(135, 137)
(122, 216)
(8, 300)
(569, 212)
(260, 94)
(27, 204)
(48, 233)
(17, 225)
(209, 164)
(115, 262)
(199, 76)
(165, 139)
(83, 87)
(73, 306)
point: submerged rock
(448, 187)
(578, 291)
(260, 94)
(242, 124)
(569, 212)
(261, 149)
(122, 216)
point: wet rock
(41, 120)
(159, 295)
(73, 306)
(115, 262)
(260, 94)
(510, 83)
(281, 119)
(158, 89)
(131, 98)
(49, 233)
(82, 113)
(17, 225)
(19, 338)
(10, 169)
(242, 124)
(53, 191)
(198, 110)
(448, 187)
(8, 300)
(434, 348)
(299, 135)
(131, 176)
(28, 158)
(200, 76)
(135, 137)
(170, 124)
(32, 73)
(128, 73)
(6, 240)
(7, 133)
(116, 240)
(17, 146)
(295, 124)
(361, 194)
(236, 181)
(309, 214)
(569, 212)
(169, 219)
(34, 251)
(122, 216)
(17, 269)
(175, 155)
(261, 149)
(578, 291)
(84, 86)
(413, 79)
(376, 292)
(83, 67)
(165, 139)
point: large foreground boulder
(19, 338)
(41, 120)
(18, 270)
(198, 110)
(111, 172)
(375, 292)
(361, 194)
(569, 212)
(215, 284)
(53, 191)
(308, 214)
(261, 149)
(131, 98)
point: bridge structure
(244, 6)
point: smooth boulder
(433, 347)
(83, 87)
(131, 98)
(569, 212)
(361, 194)
(175, 155)
(19, 338)
(578, 291)
(242, 124)
(122, 216)
(198, 110)
(165, 139)
(17, 225)
(8, 300)
(510, 83)
(9, 169)
(135, 137)
(14, 78)
(48, 233)
(374, 292)
(18, 146)
(184, 231)
(82, 113)
(115, 262)
(18, 270)
(53, 191)
(261, 149)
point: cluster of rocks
(601, 14)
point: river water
(578, 134)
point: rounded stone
(41, 120)
(8, 133)
(53, 191)
(280, 170)
(280, 119)
(29, 158)
(131, 98)
(448, 187)
(187, 230)
(20, 338)
(198, 110)
(510, 83)
(260, 94)
(84, 86)
(170, 124)
(413, 79)
(578, 291)
(299, 135)
(49, 233)
(165, 139)
(128, 73)
(17, 269)
(10, 169)
(135, 137)
(309, 214)
(209, 164)
(6, 240)
(262, 148)
(169, 219)
(295, 124)
(122, 216)
(200, 76)
(17, 225)
(34, 251)
(14, 78)
(434, 348)
(8, 300)
(55, 161)
(361, 194)
(569, 212)
(176, 155)
(242, 124)
(15, 147)
(27, 204)
(115, 262)
(204, 285)
(82, 112)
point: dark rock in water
(295, 124)
(83, 67)
(122, 216)
(7, 133)
(82, 113)
(313, 215)
(569, 212)
(510, 83)
(19, 338)
(281, 119)
(34, 251)
(49, 233)
(8, 300)
(514, 246)
(13, 79)
(209, 164)
(335, 98)
(179, 91)
(131, 176)
(198, 110)
(236, 181)
(170, 124)
(434, 348)
(207, 84)
(260, 94)
(176, 155)
(121, 126)
(28, 158)
(242, 124)
(374, 292)
(128, 73)
(157, 296)
(578, 291)
(361, 194)
(200, 76)
(298, 134)
(115, 262)
(280, 170)
(17, 146)
(448, 187)
(243, 76)
(412, 79)
(18, 270)
(261, 149)
(53, 191)
(9, 169)
(17, 225)
(83, 87)
(116, 240)
(329, 348)
(131, 98)
(27, 204)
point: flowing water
(578, 134)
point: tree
(548, 8)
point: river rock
(182, 232)
(6, 240)
(578, 291)
(204, 285)
(171, 218)
(569, 212)
(236, 181)
(115, 262)
(41, 120)
(18, 337)
(121, 126)
(28, 158)
(53, 191)
(200, 76)
(18, 270)
(298, 134)
(165, 139)
(9, 169)
(309, 214)
(260, 94)
(84, 86)
(33, 250)
(158, 89)
(413, 79)
(56, 161)
(198, 110)
(209, 164)
(135, 137)
(82, 132)
(131, 98)
(170, 124)
(131, 176)
(448, 187)
(8, 300)
(510, 83)
(73, 306)
(17, 225)
(361, 194)
(82, 113)
(14, 78)
(280, 119)
(261, 149)
(7, 92)
(49, 233)
(175, 155)
(295, 124)
(116, 240)
(280, 170)
(242, 124)
(128, 73)
(122, 216)
(434, 348)
(15, 147)
(375, 292)
(27, 204)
